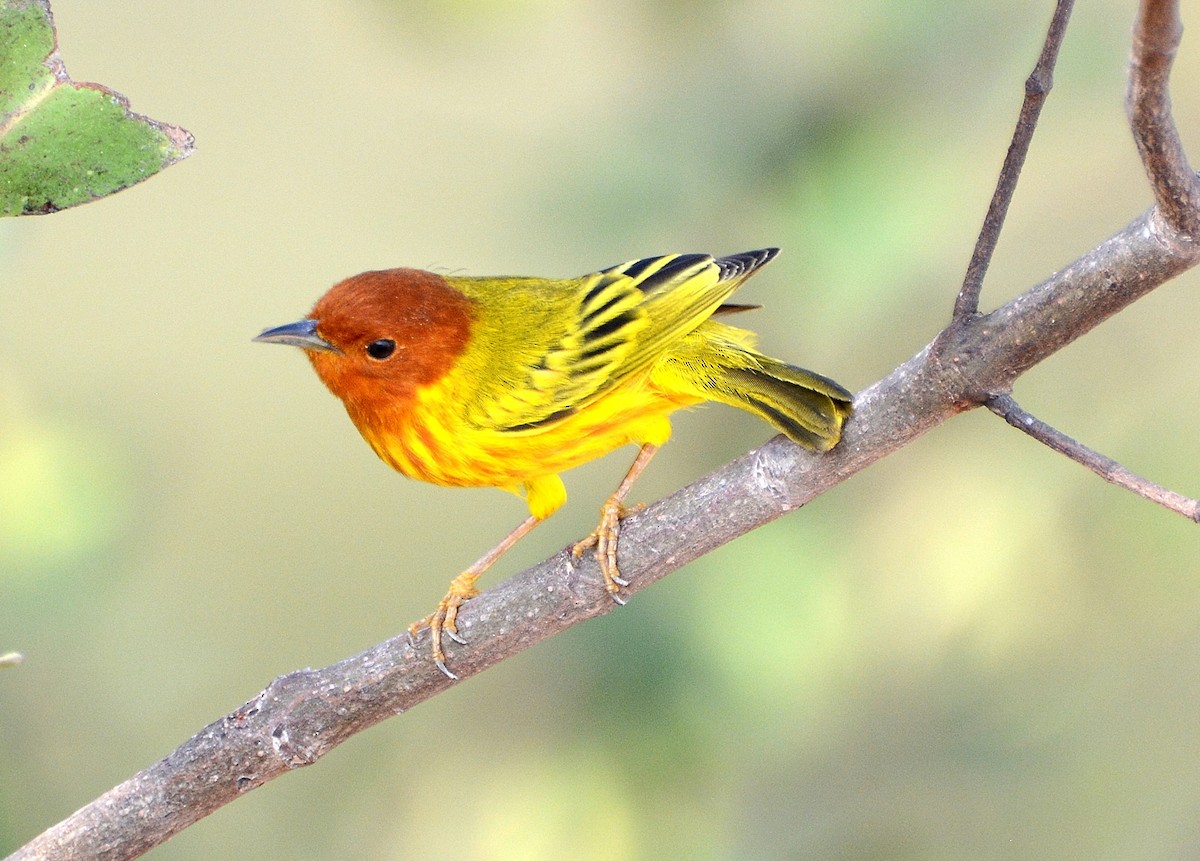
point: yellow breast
(432, 441)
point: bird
(506, 382)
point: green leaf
(64, 143)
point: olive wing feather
(579, 339)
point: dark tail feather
(731, 308)
(808, 408)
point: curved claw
(462, 588)
(442, 621)
(437, 627)
(604, 538)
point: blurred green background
(973, 650)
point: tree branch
(1105, 467)
(301, 716)
(1156, 34)
(1037, 87)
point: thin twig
(1156, 34)
(1037, 87)
(1105, 467)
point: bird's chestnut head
(375, 338)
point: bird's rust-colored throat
(427, 318)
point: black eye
(381, 349)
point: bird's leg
(604, 537)
(462, 588)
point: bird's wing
(603, 329)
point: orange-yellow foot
(605, 538)
(442, 621)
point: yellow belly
(431, 441)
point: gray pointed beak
(302, 334)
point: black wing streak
(599, 350)
(614, 325)
(587, 321)
(641, 266)
(550, 419)
(598, 288)
(668, 272)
